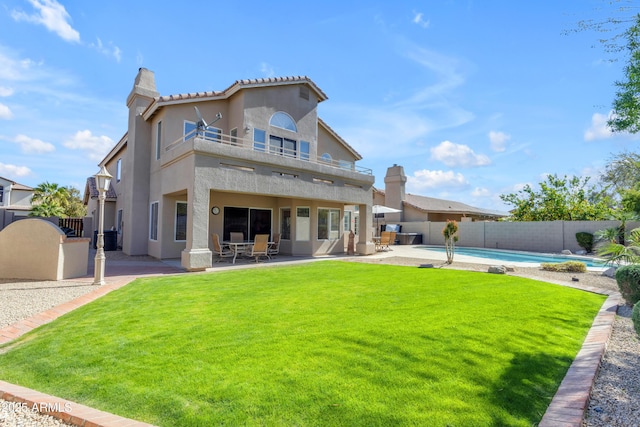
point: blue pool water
(515, 256)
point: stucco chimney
(144, 85)
(394, 192)
(136, 166)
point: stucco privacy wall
(542, 236)
(37, 249)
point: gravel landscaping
(614, 395)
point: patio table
(240, 247)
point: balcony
(250, 145)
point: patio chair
(274, 247)
(236, 236)
(221, 250)
(392, 239)
(385, 240)
(260, 247)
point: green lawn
(321, 344)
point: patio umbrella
(381, 209)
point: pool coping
(487, 260)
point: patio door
(248, 221)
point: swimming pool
(517, 256)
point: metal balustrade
(248, 144)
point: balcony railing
(247, 144)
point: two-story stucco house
(265, 164)
(15, 200)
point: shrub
(565, 267)
(628, 278)
(585, 240)
(635, 316)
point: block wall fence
(539, 236)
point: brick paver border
(65, 410)
(570, 402)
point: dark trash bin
(110, 240)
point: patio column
(365, 244)
(197, 256)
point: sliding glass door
(248, 221)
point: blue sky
(475, 99)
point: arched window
(326, 157)
(284, 121)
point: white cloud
(32, 145)
(599, 129)
(440, 180)
(10, 171)
(14, 69)
(53, 16)
(5, 112)
(96, 146)
(458, 155)
(481, 192)
(109, 50)
(418, 18)
(499, 141)
(267, 69)
(5, 91)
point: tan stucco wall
(538, 236)
(37, 249)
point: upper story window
(283, 121)
(1, 194)
(259, 140)
(158, 140)
(119, 170)
(209, 133)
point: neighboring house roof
(91, 191)
(17, 186)
(431, 204)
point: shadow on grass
(526, 387)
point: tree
(74, 207)
(568, 199)
(623, 36)
(622, 172)
(626, 104)
(49, 199)
(46, 210)
(450, 238)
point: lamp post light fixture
(103, 180)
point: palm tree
(623, 217)
(620, 254)
(46, 210)
(49, 198)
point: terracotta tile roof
(242, 84)
(91, 191)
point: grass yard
(321, 344)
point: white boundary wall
(539, 236)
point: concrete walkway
(566, 409)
